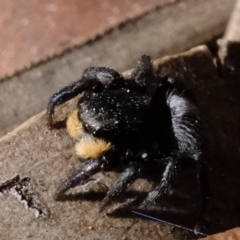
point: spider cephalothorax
(145, 121)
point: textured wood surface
(168, 30)
(229, 50)
(42, 158)
(32, 31)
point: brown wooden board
(229, 50)
(167, 30)
(42, 158)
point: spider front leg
(94, 78)
(161, 189)
(134, 171)
(80, 176)
(145, 75)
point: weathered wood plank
(45, 157)
(167, 30)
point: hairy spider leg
(94, 78)
(134, 171)
(143, 71)
(74, 125)
(88, 148)
(161, 189)
(80, 176)
(145, 76)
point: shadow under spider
(131, 200)
(59, 124)
(98, 196)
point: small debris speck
(90, 227)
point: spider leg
(80, 176)
(143, 70)
(127, 177)
(94, 78)
(161, 189)
(144, 75)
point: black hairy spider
(145, 121)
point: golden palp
(88, 148)
(74, 126)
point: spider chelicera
(146, 122)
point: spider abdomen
(186, 124)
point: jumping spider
(144, 121)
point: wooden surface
(45, 157)
(33, 31)
(233, 234)
(42, 158)
(167, 30)
(229, 46)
